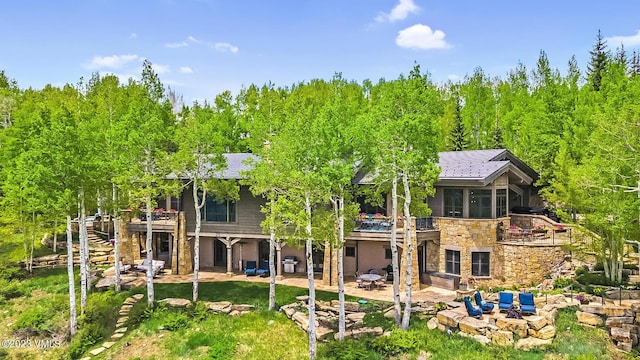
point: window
(480, 204)
(453, 202)
(219, 211)
(350, 251)
(453, 262)
(501, 202)
(387, 253)
(175, 203)
(480, 263)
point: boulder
(322, 333)
(176, 302)
(302, 320)
(589, 318)
(529, 343)
(432, 323)
(219, 306)
(536, 322)
(556, 299)
(138, 296)
(450, 318)
(359, 316)
(242, 307)
(289, 311)
(620, 335)
(473, 326)
(617, 321)
(502, 338)
(624, 346)
(517, 326)
(547, 332)
(633, 329)
(549, 315)
(303, 298)
(608, 310)
(479, 338)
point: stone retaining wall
(622, 322)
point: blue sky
(203, 47)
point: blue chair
(251, 268)
(505, 301)
(527, 306)
(487, 307)
(264, 270)
(473, 311)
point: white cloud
(399, 12)
(192, 39)
(133, 36)
(161, 69)
(112, 62)
(176, 45)
(224, 47)
(421, 37)
(186, 70)
(628, 41)
(453, 77)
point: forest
(110, 144)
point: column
(229, 260)
(278, 260)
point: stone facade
(511, 264)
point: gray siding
(248, 215)
(436, 202)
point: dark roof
(473, 168)
(236, 164)
(481, 167)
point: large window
(453, 262)
(501, 202)
(480, 263)
(219, 211)
(480, 204)
(453, 199)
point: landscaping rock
(473, 326)
(349, 306)
(547, 332)
(502, 338)
(322, 333)
(242, 307)
(589, 318)
(289, 311)
(450, 318)
(235, 313)
(138, 297)
(98, 351)
(303, 298)
(108, 344)
(529, 343)
(536, 322)
(219, 306)
(432, 323)
(302, 320)
(617, 321)
(176, 302)
(479, 338)
(121, 330)
(633, 329)
(117, 336)
(517, 326)
(549, 315)
(359, 316)
(624, 346)
(620, 335)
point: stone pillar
(135, 245)
(415, 274)
(240, 262)
(278, 260)
(185, 255)
(125, 242)
(330, 268)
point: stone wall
(623, 323)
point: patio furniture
(505, 300)
(251, 268)
(527, 306)
(264, 269)
(359, 281)
(473, 311)
(369, 279)
(487, 307)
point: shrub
(595, 279)
(175, 320)
(398, 342)
(350, 349)
(198, 311)
(10, 289)
(44, 318)
(223, 347)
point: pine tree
(634, 66)
(458, 133)
(597, 63)
(498, 142)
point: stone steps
(123, 316)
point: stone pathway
(123, 316)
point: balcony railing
(159, 216)
(383, 223)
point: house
(468, 234)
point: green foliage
(175, 320)
(398, 342)
(374, 319)
(10, 289)
(595, 279)
(350, 349)
(561, 283)
(39, 319)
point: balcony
(383, 223)
(161, 220)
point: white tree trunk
(116, 239)
(149, 259)
(341, 311)
(55, 237)
(312, 289)
(408, 249)
(272, 270)
(84, 237)
(83, 263)
(394, 250)
(73, 322)
(196, 246)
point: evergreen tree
(634, 66)
(598, 62)
(458, 133)
(498, 142)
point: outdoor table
(371, 278)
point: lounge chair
(251, 268)
(505, 300)
(487, 307)
(527, 306)
(264, 270)
(473, 311)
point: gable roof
(481, 167)
(236, 164)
